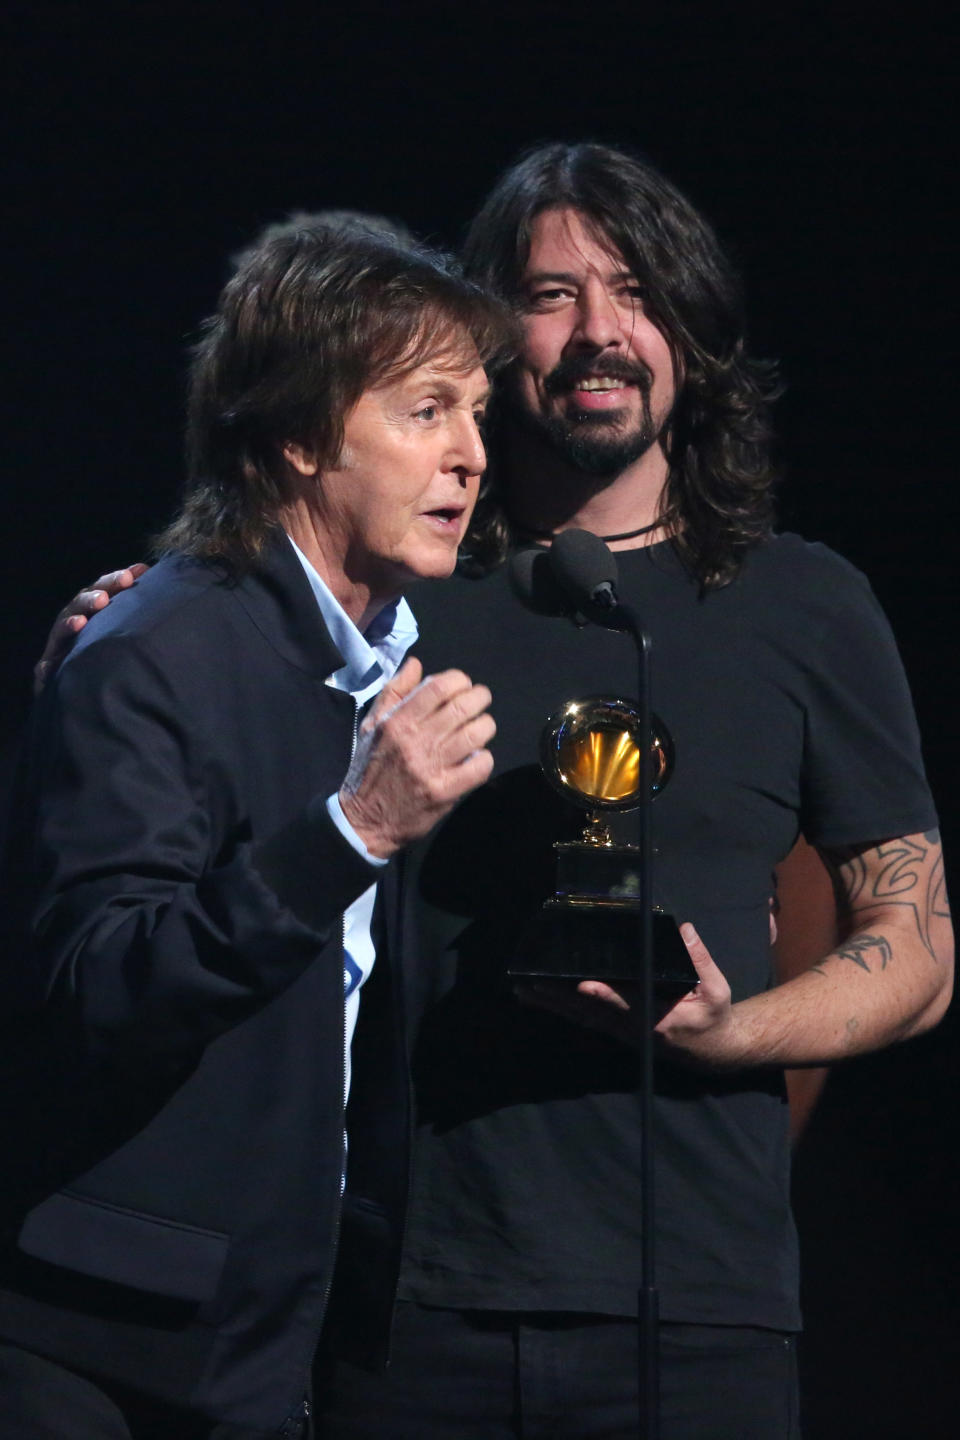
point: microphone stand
(581, 568)
(607, 611)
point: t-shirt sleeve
(863, 775)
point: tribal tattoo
(906, 873)
(863, 948)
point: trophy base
(573, 940)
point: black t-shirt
(788, 708)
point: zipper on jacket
(297, 1425)
(343, 951)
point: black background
(147, 141)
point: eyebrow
(566, 277)
(450, 393)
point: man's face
(398, 501)
(596, 376)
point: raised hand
(418, 752)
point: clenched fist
(418, 752)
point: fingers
(592, 1004)
(86, 603)
(699, 1026)
(712, 981)
(63, 632)
(450, 691)
(396, 690)
(94, 597)
(446, 713)
(462, 727)
(116, 580)
(464, 740)
(466, 775)
(604, 992)
(102, 591)
(75, 615)
(457, 713)
(421, 749)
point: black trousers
(499, 1376)
(40, 1400)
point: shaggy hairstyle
(314, 315)
(721, 475)
(342, 222)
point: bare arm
(889, 979)
(807, 929)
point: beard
(594, 443)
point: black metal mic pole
(648, 1307)
(580, 567)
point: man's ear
(301, 458)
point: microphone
(535, 584)
(586, 573)
(576, 577)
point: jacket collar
(277, 597)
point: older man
(199, 836)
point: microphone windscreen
(534, 583)
(582, 565)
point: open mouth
(599, 384)
(446, 516)
(599, 392)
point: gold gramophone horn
(590, 750)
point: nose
(468, 457)
(598, 320)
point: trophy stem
(596, 832)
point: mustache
(577, 367)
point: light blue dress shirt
(370, 660)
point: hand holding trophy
(590, 750)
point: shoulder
(176, 617)
(157, 600)
(788, 559)
(196, 619)
(807, 579)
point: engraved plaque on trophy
(589, 928)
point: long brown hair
(721, 475)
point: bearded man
(635, 411)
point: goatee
(592, 441)
(589, 443)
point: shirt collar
(369, 658)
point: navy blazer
(172, 1113)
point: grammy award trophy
(590, 751)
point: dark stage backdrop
(150, 140)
